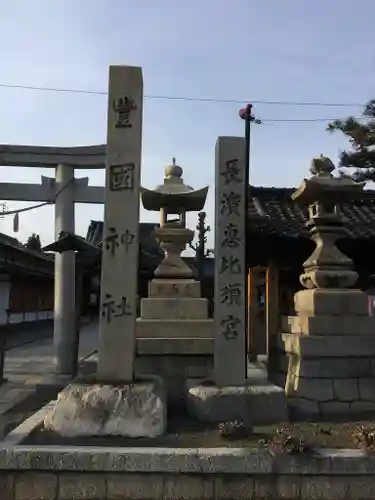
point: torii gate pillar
(65, 326)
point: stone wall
(328, 385)
(223, 474)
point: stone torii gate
(64, 190)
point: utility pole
(248, 117)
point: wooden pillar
(256, 328)
(272, 305)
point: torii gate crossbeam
(70, 191)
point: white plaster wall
(4, 301)
(15, 318)
(31, 316)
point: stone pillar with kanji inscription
(231, 396)
(230, 262)
(117, 402)
(121, 223)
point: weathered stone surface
(176, 308)
(288, 487)
(352, 464)
(188, 487)
(367, 389)
(118, 309)
(311, 388)
(362, 407)
(303, 406)
(321, 487)
(230, 488)
(7, 486)
(174, 370)
(35, 486)
(331, 302)
(335, 368)
(335, 346)
(82, 486)
(329, 325)
(175, 288)
(173, 328)
(177, 346)
(264, 488)
(360, 488)
(346, 389)
(258, 404)
(134, 486)
(136, 410)
(333, 408)
(230, 261)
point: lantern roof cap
(174, 193)
(324, 186)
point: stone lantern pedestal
(330, 341)
(174, 333)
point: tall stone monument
(331, 339)
(117, 403)
(118, 308)
(230, 262)
(230, 395)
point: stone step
(329, 325)
(174, 308)
(174, 328)
(332, 346)
(174, 346)
(175, 288)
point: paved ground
(36, 358)
(28, 363)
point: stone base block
(330, 346)
(254, 404)
(134, 410)
(170, 288)
(176, 346)
(329, 325)
(174, 308)
(331, 302)
(174, 370)
(174, 328)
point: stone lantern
(173, 199)
(327, 267)
(330, 342)
(174, 332)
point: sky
(239, 50)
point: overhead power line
(194, 99)
(49, 202)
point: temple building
(26, 283)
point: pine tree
(361, 134)
(34, 243)
(200, 247)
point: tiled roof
(271, 211)
(9, 241)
